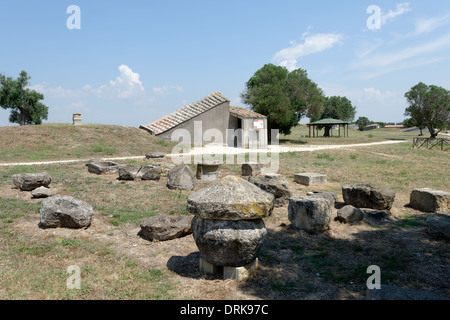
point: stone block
(430, 200)
(310, 178)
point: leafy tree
(284, 97)
(429, 106)
(24, 103)
(337, 108)
(362, 123)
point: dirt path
(211, 149)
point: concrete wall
(245, 134)
(215, 118)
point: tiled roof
(186, 113)
(245, 113)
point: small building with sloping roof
(238, 126)
(328, 124)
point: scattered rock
(31, 181)
(41, 192)
(129, 172)
(165, 227)
(388, 292)
(430, 200)
(310, 178)
(229, 243)
(312, 214)
(181, 177)
(377, 215)
(330, 196)
(136, 172)
(150, 173)
(275, 185)
(438, 225)
(103, 167)
(350, 214)
(365, 196)
(65, 212)
(155, 155)
(230, 198)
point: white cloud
(429, 24)
(401, 8)
(127, 83)
(312, 44)
(166, 89)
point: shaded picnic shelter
(328, 125)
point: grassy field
(117, 264)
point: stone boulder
(349, 214)
(136, 172)
(31, 181)
(230, 198)
(155, 155)
(365, 196)
(41, 192)
(165, 227)
(275, 185)
(430, 200)
(377, 215)
(229, 243)
(438, 225)
(311, 214)
(150, 173)
(129, 172)
(65, 212)
(103, 167)
(181, 177)
(330, 196)
(165, 167)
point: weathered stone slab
(165, 227)
(230, 198)
(350, 214)
(365, 196)
(136, 172)
(229, 243)
(41, 192)
(31, 181)
(312, 214)
(155, 155)
(65, 212)
(330, 196)
(181, 177)
(430, 200)
(310, 178)
(438, 225)
(103, 167)
(274, 184)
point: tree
(284, 97)
(362, 122)
(24, 103)
(410, 122)
(337, 108)
(429, 106)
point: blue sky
(132, 62)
